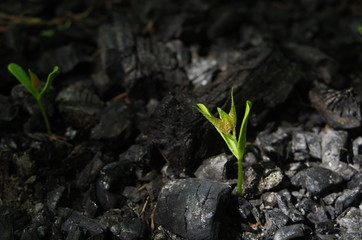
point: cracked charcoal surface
(340, 108)
(192, 207)
(316, 180)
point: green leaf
(360, 30)
(226, 121)
(232, 112)
(242, 134)
(23, 78)
(49, 80)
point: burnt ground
(124, 126)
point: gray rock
(316, 180)
(292, 231)
(8, 110)
(191, 207)
(351, 220)
(213, 168)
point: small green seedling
(32, 85)
(226, 126)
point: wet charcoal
(115, 120)
(192, 208)
(80, 106)
(292, 232)
(76, 219)
(52, 199)
(261, 177)
(213, 168)
(316, 180)
(351, 220)
(341, 109)
(90, 172)
(8, 110)
(348, 198)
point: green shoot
(226, 126)
(31, 83)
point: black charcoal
(261, 177)
(316, 180)
(76, 219)
(275, 219)
(351, 220)
(53, 198)
(292, 232)
(341, 109)
(286, 206)
(114, 120)
(348, 198)
(213, 168)
(192, 208)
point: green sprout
(32, 85)
(226, 126)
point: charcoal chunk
(316, 180)
(333, 143)
(347, 199)
(213, 168)
(191, 207)
(351, 220)
(76, 219)
(341, 109)
(292, 231)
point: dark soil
(124, 124)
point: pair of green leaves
(31, 83)
(226, 125)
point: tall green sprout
(226, 126)
(32, 85)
